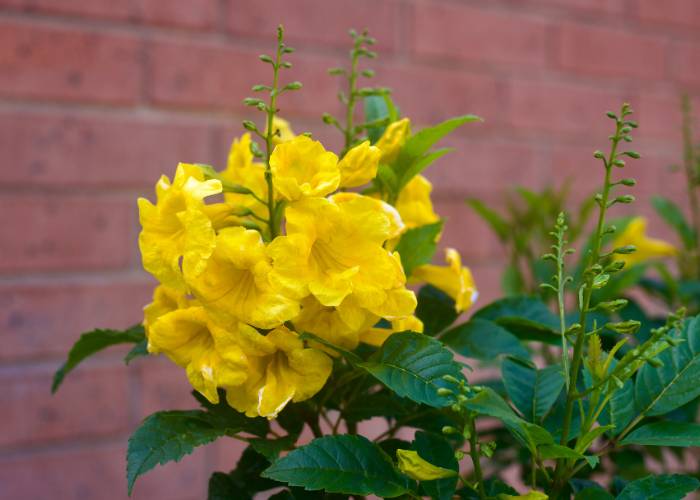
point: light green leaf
(665, 434)
(92, 342)
(417, 246)
(498, 224)
(435, 309)
(413, 366)
(340, 464)
(552, 451)
(436, 450)
(664, 487)
(421, 164)
(483, 339)
(532, 391)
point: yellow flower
(302, 167)
(165, 300)
(359, 165)
(453, 279)
(647, 248)
(414, 204)
(530, 495)
(377, 336)
(393, 139)
(235, 285)
(288, 372)
(177, 235)
(241, 170)
(415, 467)
(333, 250)
(208, 352)
(282, 131)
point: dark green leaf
(417, 246)
(525, 317)
(436, 450)
(498, 224)
(665, 487)
(435, 309)
(672, 214)
(91, 342)
(665, 434)
(552, 451)
(483, 339)
(271, 448)
(221, 411)
(413, 366)
(663, 389)
(222, 487)
(532, 391)
(593, 494)
(140, 349)
(421, 164)
(340, 464)
(350, 356)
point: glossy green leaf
(413, 366)
(417, 245)
(527, 318)
(340, 464)
(665, 487)
(483, 339)
(139, 350)
(92, 342)
(532, 391)
(436, 450)
(435, 309)
(665, 434)
(663, 389)
(553, 451)
(377, 108)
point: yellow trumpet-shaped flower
(235, 285)
(289, 372)
(332, 251)
(393, 139)
(411, 464)
(414, 204)
(209, 353)
(165, 300)
(647, 248)
(177, 235)
(302, 168)
(453, 279)
(377, 336)
(359, 165)
(242, 170)
(282, 131)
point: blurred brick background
(98, 97)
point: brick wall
(97, 98)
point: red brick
(592, 6)
(218, 77)
(92, 402)
(475, 34)
(56, 149)
(430, 95)
(487, 277)
(97, 471)
(593, 50)
(163, 386)
(106, 9)
(196, 14)
(45, 319)
(681, 12)
(686, 63)
(43, 63)
(53, 232)
(316, 23)
(562, 108)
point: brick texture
(98, 98)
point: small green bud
(628, 182)
(627, 198)
(459, 455)
(249, 125)
(632, 154)
(629, 327)
(286, 64)
(336, 71)
(288, 50)
(612, 305)
(328, 119)
(448, 429)
(488, 448)
(599, 154)
(251, 101)
(611, 115)
(625, 250)
(444, 391)
(293, 86)
(600, 281)
(368, 73)
(619, 163)
(266, 58)
(615, 266)
(450, 379)
(656, 363)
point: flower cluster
(235, 294)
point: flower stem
(474, 454)
(270, 132)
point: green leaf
(483, 339)
(552, 451)
(492, 218)
(139, 350)
(665, 434)
(257, 426)
(91, 342)
(271, 448)
(377, 107)
(435, 309)
(532, 391)
(413, 366)
(672, 214)
(664, 487)
(421, 164)
(340, 464)
(527, 318)
(663, 389)
(349, 355)
(436, 450)
(222, 487)
(593, 494)
(417, 246)
(168, 436)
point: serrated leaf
(340, 464)
(664, 487)
(257, 426)
(436, 450)
(483, 339)
(271, 448)
(532, 391)
(435, 309)
(417, 246)
(168, 436)
(139, 350)
(665, 434)
(663, 389)
(413, 366)
(92, 342)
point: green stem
(474, 454)
(352, 95)
(691, 178)
(271, 111)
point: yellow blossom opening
(393, 139)
(414, 204)
(647, 248)
(282, 131)
(453, 279)
(359, 165)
